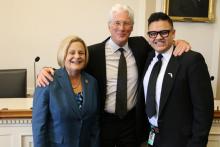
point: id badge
(151, 138)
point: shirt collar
(115, 47)
(167, 54)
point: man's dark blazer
(97, 64)
(57, 120)
(186, 103)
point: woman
(65, 113)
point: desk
(15, 107)
(16, 103)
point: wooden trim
(20, 113)
(27, 113)
(217, 114)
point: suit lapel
(133, 48)
(149, 59)
(64, 81)
(98, 56)
(168, 81)
(102, 66)
(135, 51)
(86, 97)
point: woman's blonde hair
(64, 46)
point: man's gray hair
(119, 8)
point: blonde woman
(66, 112)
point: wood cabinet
(15, 122)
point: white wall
(204, 38)
(30, 28)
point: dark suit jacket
(97, 64)
(57, 120)
(186, 103)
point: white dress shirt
(165, 60)
(112, 55)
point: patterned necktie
(151, 90)
(121, 93)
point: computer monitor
(13, 83)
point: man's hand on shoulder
(181, 47)
(45, 75)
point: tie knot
(159, 56)
(121, 50)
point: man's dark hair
(159, 16)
